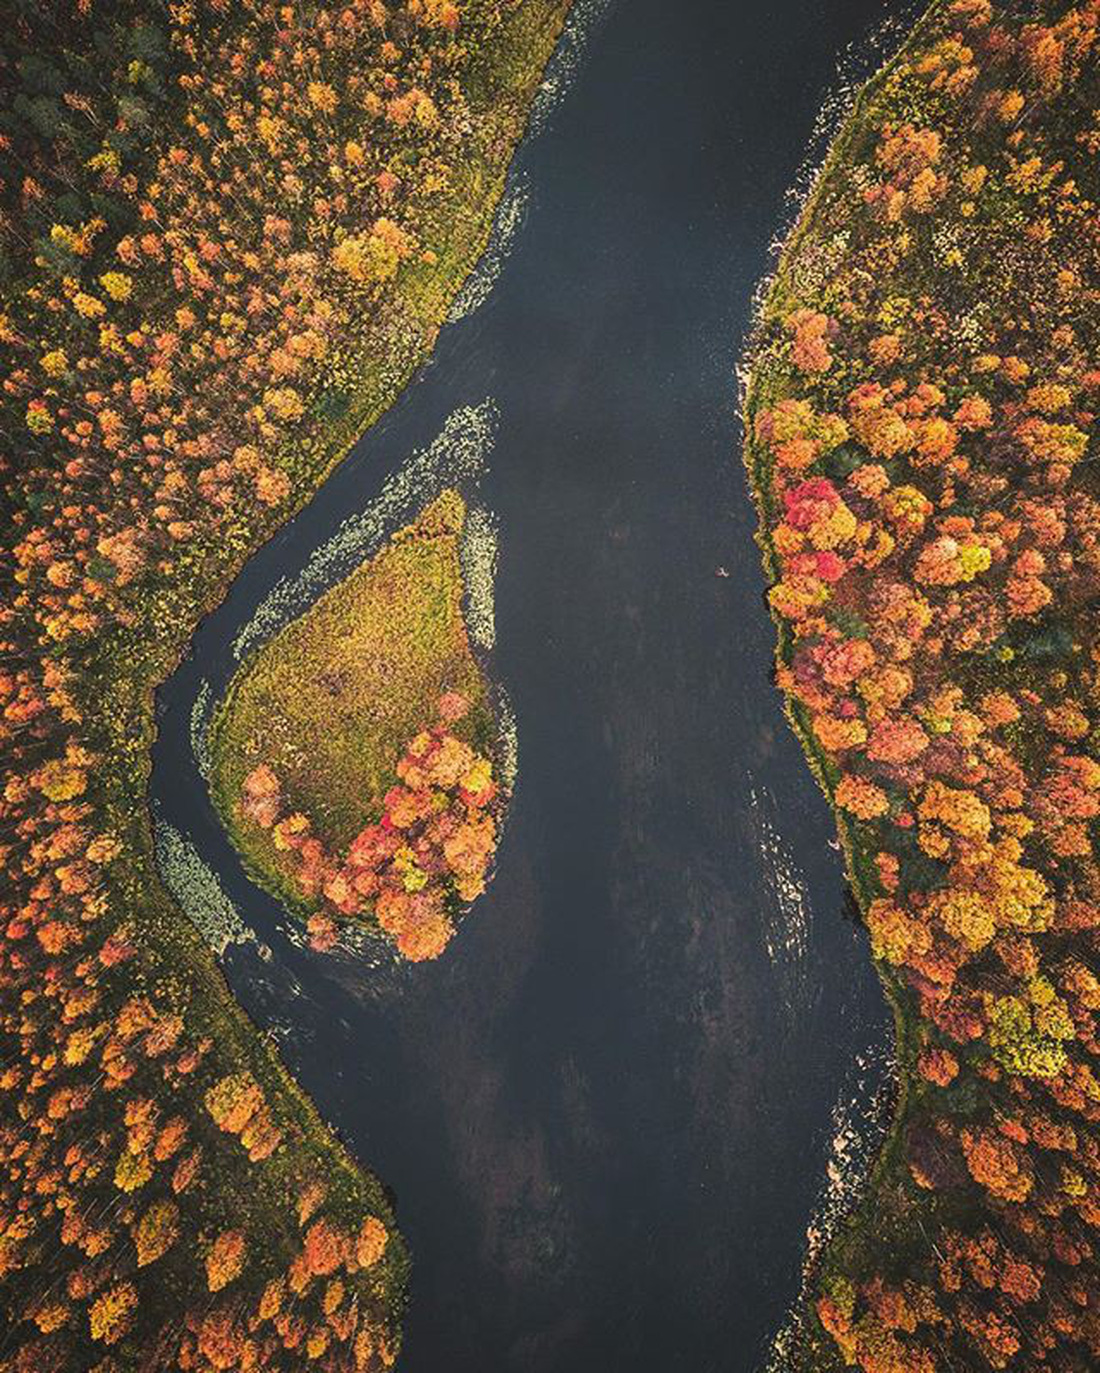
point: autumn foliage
(411, 869)
(922, 438)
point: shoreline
(373, 405)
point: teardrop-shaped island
(355, 758)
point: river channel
(609, 1113)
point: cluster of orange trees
(228, 231)
(922, 439)
(413, 868)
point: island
(922, 441)
(352, 755)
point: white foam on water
(478, 551)
(508, 743)
(459, 453)
(786, 916)
(859, 1128)
(478, 555)
(197, 890)
(201, 709)
(478, 286)
(561, 71)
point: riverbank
(934, 660)
(118, 619)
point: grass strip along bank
(228, 235)
(352, 755)
(921, 439)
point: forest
(921, 438)
(228, 234)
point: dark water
(606, 1112)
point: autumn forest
(921, 428)
(230, 235)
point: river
(609, 1112)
